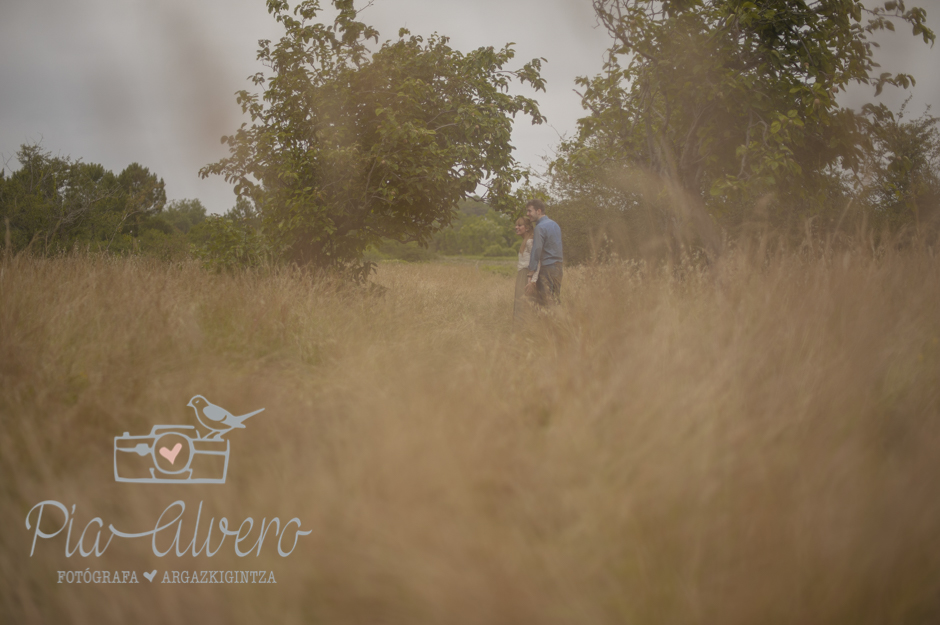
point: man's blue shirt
(546, 245)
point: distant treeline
(477, 230)
(708, 121)
(53, 204)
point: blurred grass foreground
(758, 442)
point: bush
(184, 214)
(228, 244)
(410, 252)
(498, 251)
(156, 243)
(476, 229)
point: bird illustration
(217, 418)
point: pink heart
(171, 455)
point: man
(546, 256)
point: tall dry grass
(755, 443)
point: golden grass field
(754, 443)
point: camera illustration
(170, 454)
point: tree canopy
(52, 202)
(347, 146)
(903, 162)
(730, 100)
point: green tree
(726, 101)
(144, 195)
(245, 211)
(235, 239)
(223, 243)
(903, 168)
(348, 146)
(479, 233)
(54, 202)
(477, 228)
(183, 215)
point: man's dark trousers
(548, 285)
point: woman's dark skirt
(521, 306)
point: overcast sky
(118, 81)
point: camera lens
(172, 453)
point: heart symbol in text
(171, 455)
(150, 575)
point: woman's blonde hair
(529, 231)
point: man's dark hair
(538, 205)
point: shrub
(498, 250)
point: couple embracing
(540, 260)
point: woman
(521, 304)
